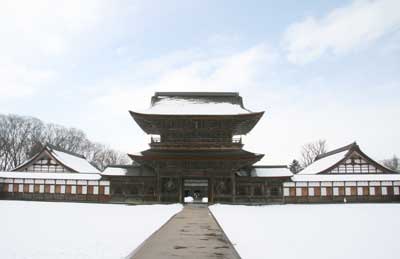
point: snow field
(77, 230)
(366, 231)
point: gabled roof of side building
(326, 162)
(72, 162)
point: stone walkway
(192, 233)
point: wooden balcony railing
(236, 140)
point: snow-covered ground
(366, 231)
(76, 230)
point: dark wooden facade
(193, 148)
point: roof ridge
(270, 166)
(188, 94)
(52, 147)
(122, 166)
(335, 151)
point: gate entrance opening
(195, 190)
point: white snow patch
(50, 175)
(345, 177)
(75, 230)
(79, 164)
(367, 231)
(116, 171)
(188, 199)
(271, 172)
(323, 163)
(179, 106)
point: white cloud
(188, 70)
(45, 26)
(17, 80)
(295, 114)
(33, 34)
(342, 30)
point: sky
(319, 69)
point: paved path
(192, 233)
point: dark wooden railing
(236, 140)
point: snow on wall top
(115, 171)
(323, 163)
(50, 175)
(201, 103)
(79, 164)
(271, 172)
(345, 177)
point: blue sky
(320, 69)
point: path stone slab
(192, 233)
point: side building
(346, 174)
(54, 174)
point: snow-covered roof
(271, 171)
(36, 175)
(77, 163)
(196, 103)
(345, 177)
(115, 171)
(127, 170)
(323, 163)
(330, 160)
(193, 107)
(70, 160)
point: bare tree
(392, 163)
(311, 150)
(102, 156)
(70, 139)
(22, 137)
(295, 167)
(17, 134)
(3, 141)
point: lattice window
(355, 165)
(46, 165)
(275, 191)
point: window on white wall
(20, 187)
(62, 188)
(323, 191)
(10, 187)
(372, 191)
(31, 188)
(41, 188)
(84, 189)
(95, 190)
(52, 188)
(384, 190)
(348, 191)
(286, 192)
(107, 190)
(311, 191)
(359, 191)
(298, 191)
(73, 189)
(396, 190)
(335, 191)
